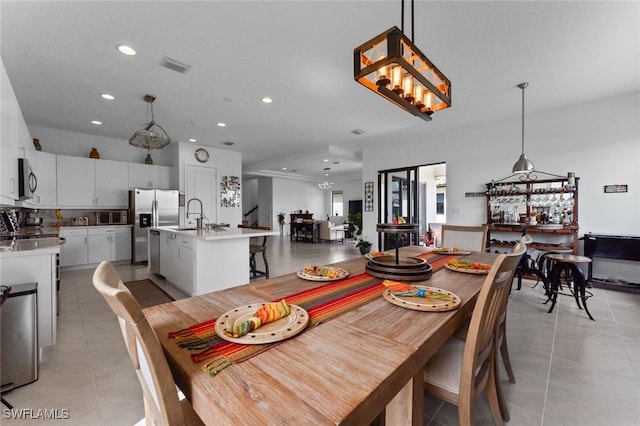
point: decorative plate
(425, 304)
(467, 270)
(450, 251)
(312, 276)
(271, 332)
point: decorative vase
(94, 154)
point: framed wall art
(368, 196)
(230, 191)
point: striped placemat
(322, 303)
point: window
(337, 203)
(440, 203)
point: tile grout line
(553, 344)
(624, 341)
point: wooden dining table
(349, 370)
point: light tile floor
(569, 370)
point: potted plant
(281, 221)
(363, 245)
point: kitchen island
(199, 261)
(34, 260)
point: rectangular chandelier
(393, 67)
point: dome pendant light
(523, 165)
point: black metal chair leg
(266, 264)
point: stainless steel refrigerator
(150, 208)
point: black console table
(302, 227)
(623, 247)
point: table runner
(322, 303)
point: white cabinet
(108, 243)
(112, 178)
(13, 134)
(84, 182)
(90, 245)
(74, 250)
(76, 181)
(149, 176)
(34, 266)
(177, 260)
(121, 247)
(168, 255)
(43, 165)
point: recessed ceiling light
(107, 96)
(127, 50)
(325, 160)
(284, 168)
(221, 124)
(96, 122)
(326, 174)
(267, 100)
(193, 140)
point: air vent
(358, 131)
(172, 64)
(228, 143)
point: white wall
(226, 163)
(599, 142)
(291, 195)
(352, 189)
(79, 145)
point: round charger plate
(309, 275)
(450, 251)
(271, 332)
(467, 270)
(423, 303)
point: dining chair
(471, 238)
(464, 368)
(162, 405)
(519, 250)
(255, 249)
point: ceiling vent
(172, 64)
(228, 143)
(358, 131)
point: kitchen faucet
(198, 219)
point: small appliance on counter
(32, 219)
(112, 217)
(79, 221)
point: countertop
(225, 233)
(29, 247)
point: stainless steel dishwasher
(154, 252)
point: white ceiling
(61, 55)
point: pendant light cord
(523, 86)
(402, 18)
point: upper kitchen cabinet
(149, 176)
(43, 165)
(88, 183)
(13, 134)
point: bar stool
(565, 268)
